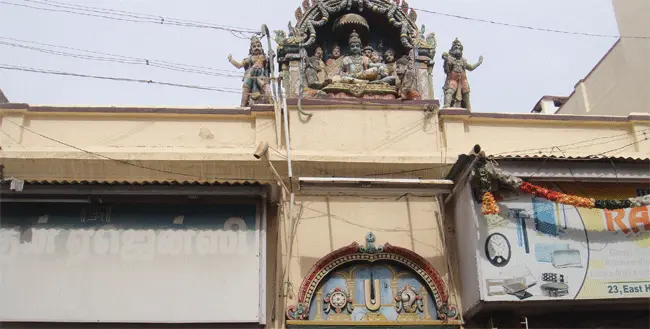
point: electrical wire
(161, 20)
(231, 28)
(564, 146)
(111, 57)
(532, 28)
(121, 15)
(587, 158)
(100, 77)
(127, 60)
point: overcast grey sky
(520, 65)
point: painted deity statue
(315, 75)
(367, 51)
(256, 76)
(406, 83)
(334, 65)
(389, 59)
(356, 66)
(456, 85)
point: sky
(520, 65)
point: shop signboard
(130, 263)
(541, 250)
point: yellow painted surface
(355, 141)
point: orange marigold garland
(490, 209)
(558, 197)
(489, 204)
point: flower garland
(490, 208)
(557, 197)
(489, 204)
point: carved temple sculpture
(256, 88)
(456, 85)
(372, 284)
(362, 42)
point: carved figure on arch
(389, 59)
(315, 75)
(338, 305)
(334, 64)
(367, 51)
(256, 77)
(407, 80)
(456, 88)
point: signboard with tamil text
(130, 263)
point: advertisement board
(130, 263)
(541, 250)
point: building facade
(614, 86)
(322, 202)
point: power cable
(100, 77)
(529, 27)
(541, 149)
(589, 157)
(232, 28)
(124, 15)
(124, 60)
(123, 57)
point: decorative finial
(370, 247)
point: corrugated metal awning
(147, 182)
(570, 158)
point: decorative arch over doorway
(416, 288)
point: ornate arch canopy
(407, 299)
(392, 21)
(318, 12)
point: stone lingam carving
(255, 89)
(456, 85)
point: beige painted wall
(347, 141)
(337, 141)
(325, 224)
(619, 84)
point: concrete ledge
(458, 112)
(135, 109)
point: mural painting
(373, 283)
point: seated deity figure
(334, 65)
(382, 69)
(389, 59)
(367, 51)
(356, 66)
(315, 76)
(407, 83)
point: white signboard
(547, 251)
(130, 263)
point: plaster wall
(619, 84)
(327, 223)
(338, 140)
